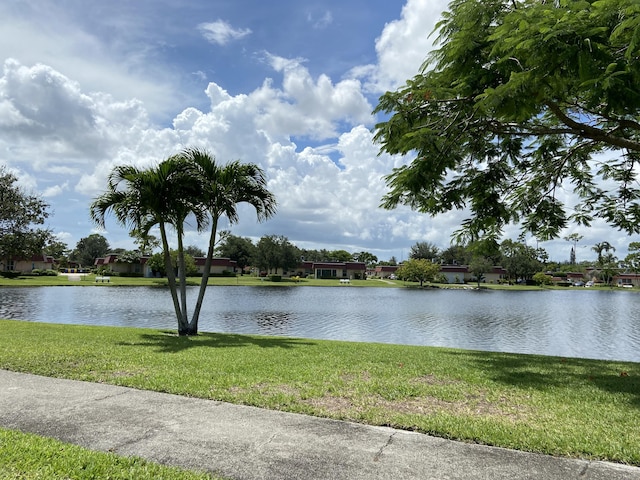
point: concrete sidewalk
(251, 443)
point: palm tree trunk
(183, 286)
(205, 276)
(171, 277)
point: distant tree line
(273, 252)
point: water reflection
(577, 323)
(274, 322)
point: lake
(573, 323)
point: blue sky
(87, 85)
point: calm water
(573, 323)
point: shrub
(276, 278)
(226, 273)
(10, 274)
(442, 278)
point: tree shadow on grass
(170, 342)
(542, 373)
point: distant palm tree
(602, 247)
(223, 187)
(162, 195)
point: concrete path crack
(583, 472)
(381, 451)
(107, 397)
(134, 441)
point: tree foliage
(340, 256)
(522, 99)
(157, 264)
(194, 251)
(632, 260)
(426, 250)
(145, 242)
(542, 278)
(276, 251)
(57, 249)
(418, 270)
(240, 249)
(479, 266)
(366, 257)
(519, 260)
(21, 213)
(455, 255)
(89, 248)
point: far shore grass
(245, 280)
(559, 406)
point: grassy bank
(246, 280)
(569, 407)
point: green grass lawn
(30, 457)
(559, 406)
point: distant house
(339, 270)
(116, 266)
(218, 265)
(575, 277)
(305, 269)
(36, 262)
(461, 274)
(496, 274)
(385, 271)
(455, 273)
(627, 279)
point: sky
(290, 86)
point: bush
(276, 278)
(36, 272)
(442, 278)
(10, 274)
(129, 275)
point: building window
(327, 273)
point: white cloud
(42, 101)
(61, 127)
(403, 46)
(55, 190)
(222, 32)
(47, 34)
(320, 22)
(308, 107)
(64, 237)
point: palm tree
(189, 184)
(222, 189)
(163, 195)
(602, 247)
